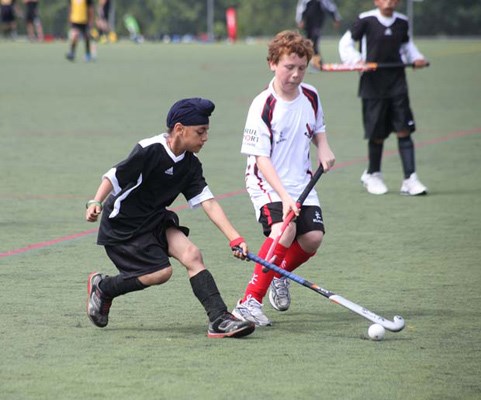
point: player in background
(282, 123)
(81, 18)
(32, 20)
(310, 16)
(102, 21)
(138, 232)
(384, 37)
(8, 14)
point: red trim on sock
(260, 281)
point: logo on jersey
(309, 133)
(250, 137)
(281, 138)
(169, 171)
(317, 218)
(388, 32)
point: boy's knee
(311, 241)
(317, 238)
(191, 257)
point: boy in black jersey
(383, 34)
(138, 232)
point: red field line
(47, 243)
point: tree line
(264, 17)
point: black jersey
(381, 40)
(144, 184)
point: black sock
(375, 156)
(113, 286)
(87, 44)
(205, 289)
(406, 151)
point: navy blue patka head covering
(193, 111)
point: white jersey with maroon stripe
(282, 130)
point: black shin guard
(406, 151)
(375, 156)
(113, 286)
(205, 289)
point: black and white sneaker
(98, 305)
(229, 326)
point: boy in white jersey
(282, 122)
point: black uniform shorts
(309, 219)
(7, 13)
(31, 13)
(82, 28)
(147, 252)
(383, 116)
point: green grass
(62, 125)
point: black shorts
(7, 14)
(31, 14)
(145, 253)
(309, 219)
(82, 28)
(383, 116)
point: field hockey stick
(366, 67)
(394, 326)
(290, 216)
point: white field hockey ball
(376, 332)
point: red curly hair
(288, 42)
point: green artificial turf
(62, 125)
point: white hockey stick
(394, 326)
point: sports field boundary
(389, 153)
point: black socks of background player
(113, 286)
(205, 289)
(406, 151)
(375, 156)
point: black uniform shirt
(145, 183)
(381, 44)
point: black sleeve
(130, 169)
(357, 30)
(197, 182)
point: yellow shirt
(79, 11)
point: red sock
(295, 257)
(260, 281)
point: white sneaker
(374, 183)
(279, 295)
(251, 310)
(413, 187)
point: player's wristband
(236, 242)
(97, 203)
